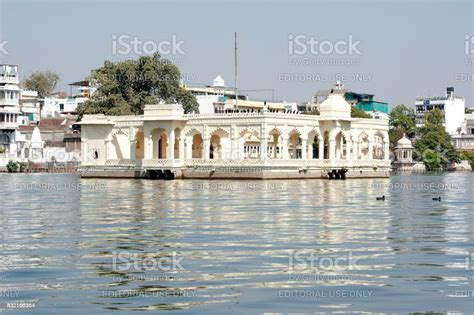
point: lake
(102, 246)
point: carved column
(206, 143)
(371, 150)
(321, 148)
(332, 149)
(170, 147)
(285, 155)
(181, 149)
(304, 148)
(355, 150)
(189, 148)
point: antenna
(235, 72)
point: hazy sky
(400, 49)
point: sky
(397, 50)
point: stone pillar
(304, 148)
(371, 150)
(181, 149)
(133, 144)
(321, 149)
(285, 154)
(355, 150)
(170, 145)
(84, 154)
(386, 151)
(348, 150)
(189, 148)
(332, 149)
(234, 145)
(206, 143)
(106, 146)
(263, 147)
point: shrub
(12, 167)
(23, 166)
(468, 156)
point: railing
(162, 163)
(250, 114)
(194, 163)
(4, 124)
(123, 162)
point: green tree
(401, 121)
(434, 145)
(469, 156)
(359, 113)
(44, 82)
(125, 87)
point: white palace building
(166, 143)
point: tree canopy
(125, 87)
(434, 144)
(359, 113)
(44, 82)
(401, 121)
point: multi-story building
(218, 98)
(363, 101)
(465, 140)
(452, 107)
(29, 107)
(9, 106)
(366, 102)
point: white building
(219, 98)
(452, 107)
(235, 144)
(9, 110)
(465, 140)
(29, 107)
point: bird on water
(437, 199)
(381, 198)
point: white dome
(218, 82)
(335, 107)
(404, 142)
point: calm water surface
(75, 246)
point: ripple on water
(235, 239)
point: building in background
(465, 140)
(452, 107)
(29, 107)
(366, 102)
(217, 98)
(60, 105)
(53, 104)
(9, 108)
(363, 101)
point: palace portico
(283, 145)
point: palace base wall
(250, 173)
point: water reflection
(62, 247)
